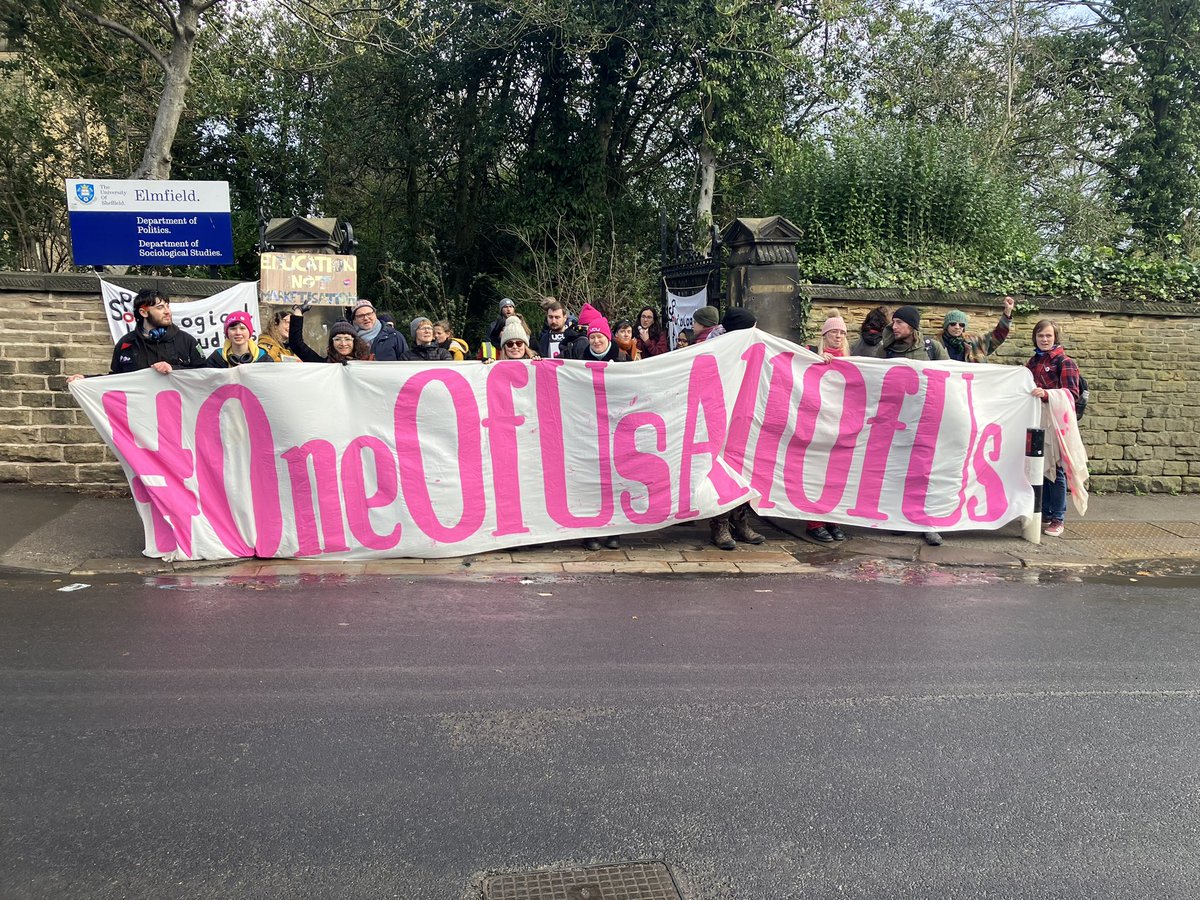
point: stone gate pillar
(763, 275)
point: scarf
(871, 337)
(369, 334)
(955, 344)
(1038, 354)
(630, 348)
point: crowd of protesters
(156, 343)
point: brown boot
(720, 532)
(739, 526)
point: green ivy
(1100, 273)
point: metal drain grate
(621, 881)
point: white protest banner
(202, 319)
(443, 459)
(681, 309)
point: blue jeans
(1054, 497)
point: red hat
(588, 314)
(239, 318)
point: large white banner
(443, 459)
(681, 309)
(202, 319)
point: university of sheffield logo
(85, 192)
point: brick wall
(1142, 363)
(1142, 427)
(52, 326)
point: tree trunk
(156, 162)
(708, 181)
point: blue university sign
(129, 223)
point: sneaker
(932, 538)
(1055, 528)
(820, 534)
(836, 533)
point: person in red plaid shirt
(1052, 368)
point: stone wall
(1141, 360)
(1142, 427)
(52, 326)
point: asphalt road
(766, 737)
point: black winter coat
(137, 351)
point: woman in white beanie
(514, 341)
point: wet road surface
(920, 734)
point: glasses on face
(363, 316)
(512, 344)
(956, 325)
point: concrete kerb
(54, 531)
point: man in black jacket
(155, 343)
(557, 337)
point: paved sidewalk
(56, 531)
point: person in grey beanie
(508, 307)
(424, 348)
(386, 343)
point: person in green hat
(976, 348)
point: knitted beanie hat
(833, 323)
(341, 328)
(599, 325)
(706, 316)
(513, 331)
(588, 314)
(361, 303)
(955, 316)
(417, 323)
(910, 316)
(239, 318)
(508, 302)
(738, 318)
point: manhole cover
(623, 881)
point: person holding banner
(514, 341)
(344, 344)
(833, 346)
(1052, 370)
(903, 340)
(729, 528)
(651, 338)
(240, 348)
(155, 343)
